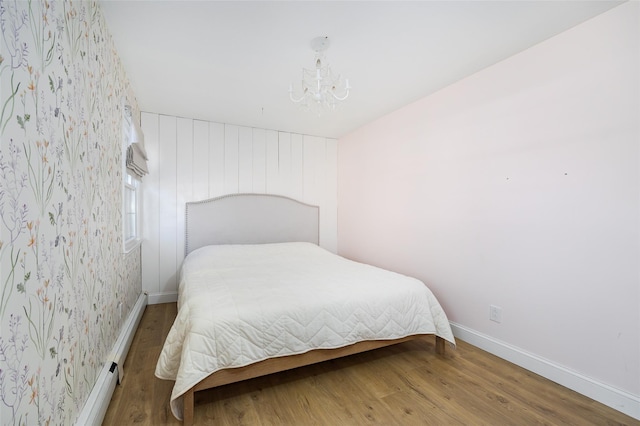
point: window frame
(131, 192)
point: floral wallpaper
(66, 285)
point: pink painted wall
(519, 187)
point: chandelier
(321, 88)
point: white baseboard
(123, 343)
(98, 401)
(617, 399)
(168, 297)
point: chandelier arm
(294, 99)
(340, 98)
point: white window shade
(136, 154)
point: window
(130, 210)
(131, 188)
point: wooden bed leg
(439, 345)
(188, 403)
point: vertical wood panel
(200, 160)
(273, 162)
(231, 161)
(184, 181)
(284, 162)
(297, 167)
(329, 232)
(259, 161)
(216, 159)
(245, 160)
(167, 195)
(150, 206)
(314, 170)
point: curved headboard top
(249, 219)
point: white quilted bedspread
(240, 304)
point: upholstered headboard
(249, 219)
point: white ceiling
(232, 62)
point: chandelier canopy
(321, 88)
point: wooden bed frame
(254, 219)
(275, 365)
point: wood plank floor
(406, 384)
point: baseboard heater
(111, 374)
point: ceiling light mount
(321, 88)
(320, 44)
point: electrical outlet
(495, 313)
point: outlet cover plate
(495, 313)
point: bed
(257, 295)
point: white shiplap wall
(194, 160)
